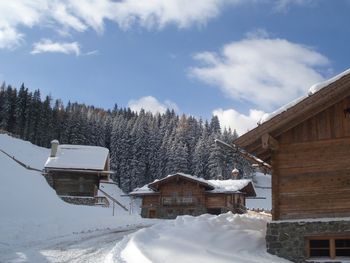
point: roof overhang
(310, 106)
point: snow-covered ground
(33, 217)
(226, 238)
(37, 226)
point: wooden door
(152, 213)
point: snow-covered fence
(113, 200)
(21, 163)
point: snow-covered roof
(214, 186)
(230, 185)
(312, 90)
(78, 157)
(202, 181)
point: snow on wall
(79, 157)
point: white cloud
(10, 38)
(236, 121)
(151, 104)
(48, 46)
(81, 15)
(266, 72)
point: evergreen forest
(143, 146)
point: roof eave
(305, 109)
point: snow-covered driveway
(82, 247)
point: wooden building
(182, 194)
(307, 144)
(75, 171)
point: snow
(312, 90)
(32, 213)
(218, 186)
(227, 238)
(37, 226)
(318, 86)
(78, 157)
(230, 185)
(114, 191)
(142, 190)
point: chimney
(235, 174)
(54, 146)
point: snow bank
(30, 209)
(226, 238)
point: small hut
(75, 171)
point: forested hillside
(143, 146)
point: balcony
(171, 201)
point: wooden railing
(181, 200)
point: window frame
(332, 245)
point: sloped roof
(156, 183)
(320, 97)
(212, 186)
(80, 157)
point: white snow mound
(227, 238)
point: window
(329, 247)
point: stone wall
(79, 200)
(288, 239)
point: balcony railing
(179, 200)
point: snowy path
(83, 247)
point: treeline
(143, 146)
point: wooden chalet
(76, 170)
(182, 194)
(307, 144)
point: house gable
(327, 104)
(310, 154)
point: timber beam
(269, 143)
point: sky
(237, 59)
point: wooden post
(275, 187)
(268, 142)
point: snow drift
(227, 238)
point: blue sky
(237, 59)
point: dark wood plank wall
(329, 124)
(312, 167)
(216, 201)
(149, 200)
(74, 184)
(183, 188)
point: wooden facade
(74, 183)
(308, 146)
(181, 195)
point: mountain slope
(30, 209)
